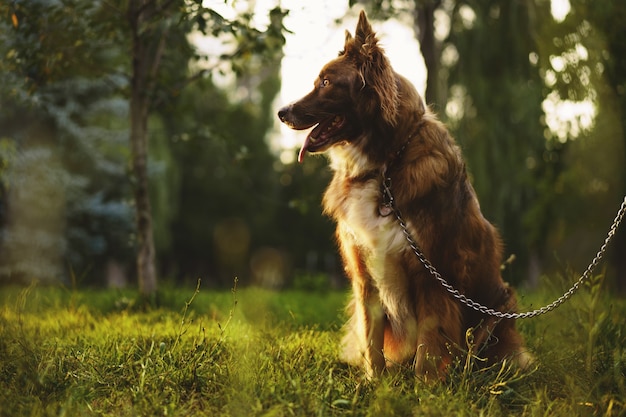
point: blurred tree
(151, 22)
(430, 46)
(310, 235)
(227, 192)
(49, 42)
(609, 17)
(61, 187)
(586, 64)
(495, 108)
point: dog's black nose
(282, 113)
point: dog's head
(353, 92)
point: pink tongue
(316, 132)
(303, 149)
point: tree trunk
(139, 106)
(424, 28)
(619, 245)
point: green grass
(261, 353)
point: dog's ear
(375, 68)
(364, 33)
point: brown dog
(374, 125)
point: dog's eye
(325, 82)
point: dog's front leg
(371, 319)
(363, 342)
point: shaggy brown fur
(371, 120)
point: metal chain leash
(390, 203)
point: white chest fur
(357, 211)
(381, 243)
(355, 205)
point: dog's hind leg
(438, 338)
(498, 339)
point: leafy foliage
(74, 85)
(500, 93)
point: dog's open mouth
(322, 135)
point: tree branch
(158, 54)
(181, 86)
(163, 7)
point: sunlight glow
(557, 62)
(560, 9)
(442, 24)
(468, 16)
(455, 107)
(566, 118)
